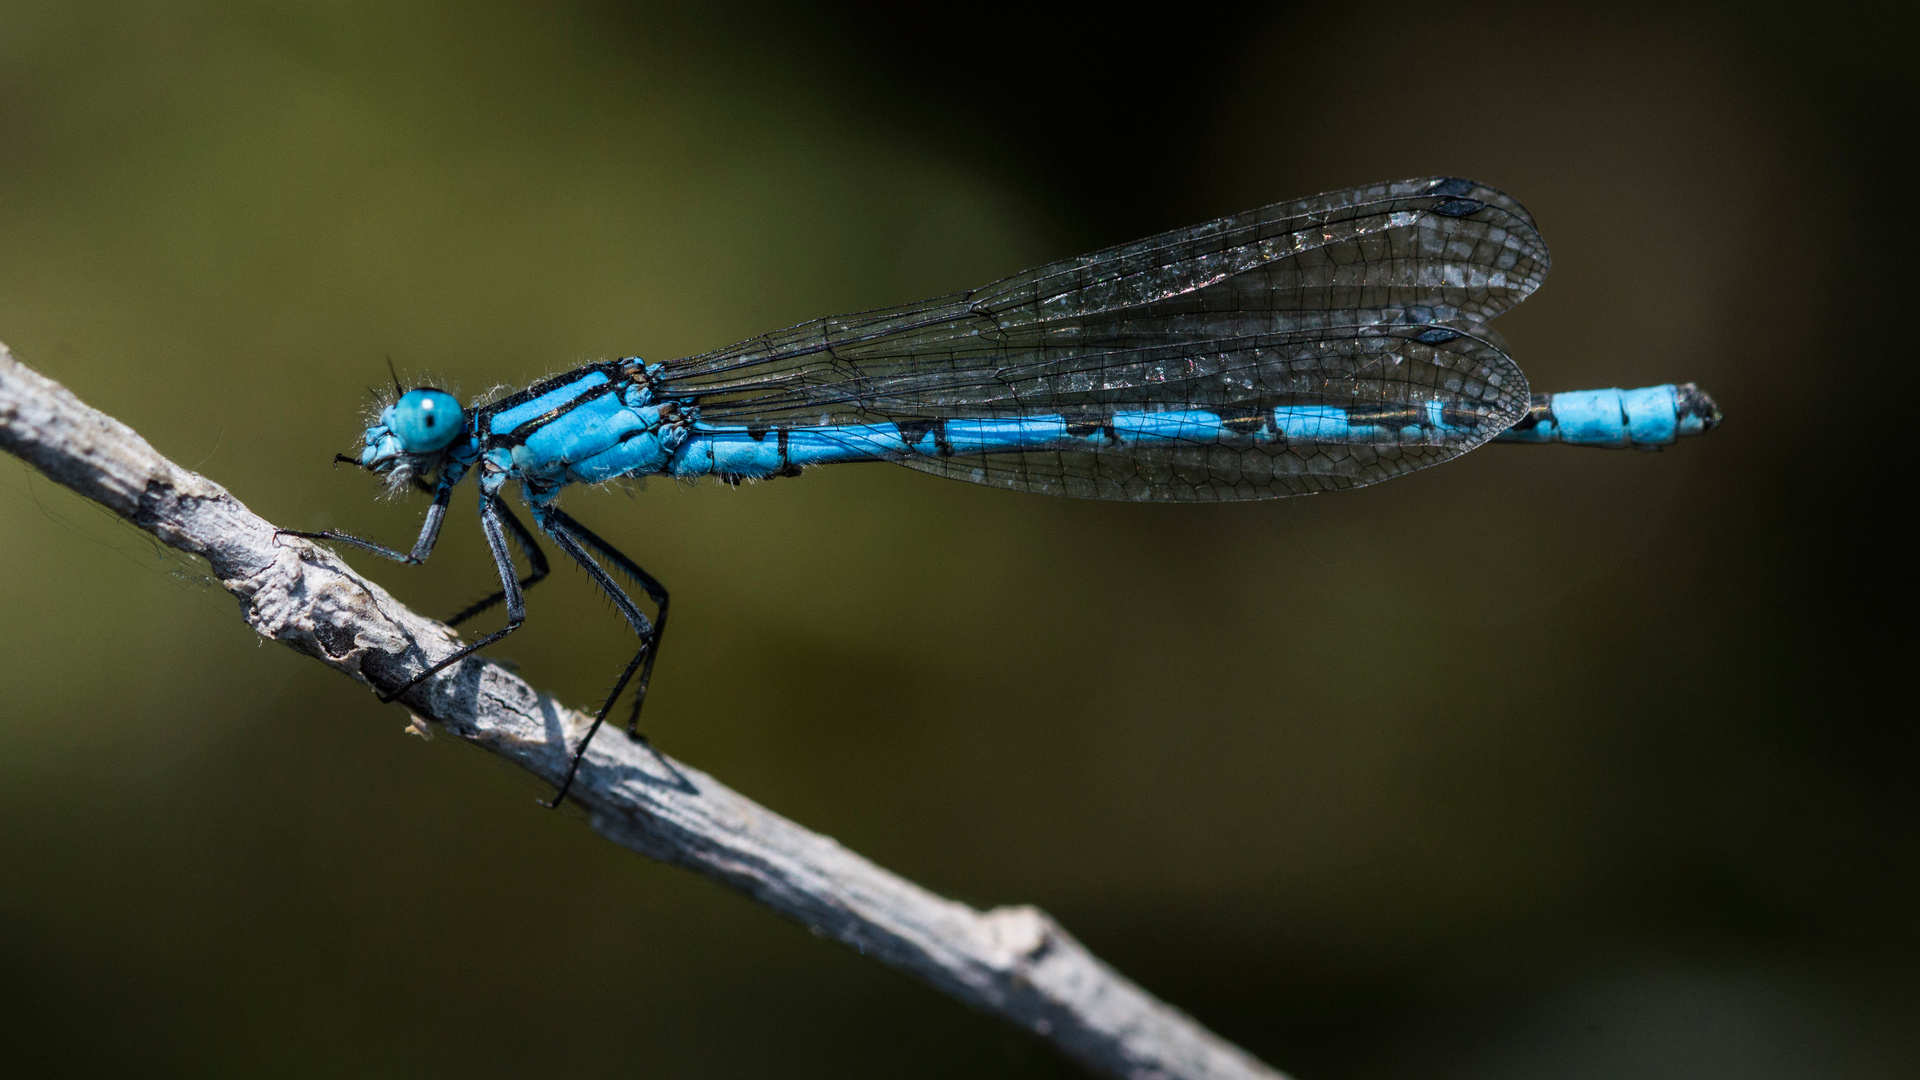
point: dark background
(1547, 763)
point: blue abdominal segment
(760, 452)
(1647, 418)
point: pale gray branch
(1013, 962)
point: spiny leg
(422, 547)
(536, 560)
(654, 590)
(491, 509)
(569, 536)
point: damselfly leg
(581, 544)
(422, 547)
(492, 511)
(536, 562)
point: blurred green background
(1546, 763)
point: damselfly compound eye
(425, 420)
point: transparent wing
(1290, 305)
(1403, 396)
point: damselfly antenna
(398, 390)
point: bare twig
(1013, 962)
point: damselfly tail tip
(1695, 405)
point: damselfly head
(411, 434)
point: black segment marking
(548, 385)
(912, 431)
(526, 429)
(1087, 424)
(1540, 412)
(1246, 421)
(1390, 417)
